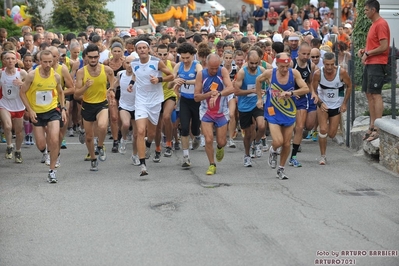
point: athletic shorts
(312, 106)
(44, 118)
(69, 98)
(373, 78)
(246, 117)
(118, 94)
(173, 98)
(90, 110)
(151, 112)
(302, 103)
(333, 112)
(218, 121)
(16, 115)
(230, 97)
(130, 112)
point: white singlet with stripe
(9, 95)
(331, 92)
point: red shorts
(18, 114)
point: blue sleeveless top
(247, 102)
(277, 110)
(187, 91)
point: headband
(140, 42)
(293, 38)
(283, 60)
(116, 44)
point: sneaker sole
(52, 181)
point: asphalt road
(240, 216)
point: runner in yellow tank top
(40, 93)
(91, 83)
(68, 88)
(168, 106)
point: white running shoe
(136, 160)
(122, 146)
(247, 161)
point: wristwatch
(366, 53)
(64, 108)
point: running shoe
(309, 136)
(70, 132)
(281, 175)
(315, 136)
(115, 146)
(219, 154)
(143, 171)
(211, 170)
(87, 158)
(190, 145)
(252, 151)
(63, 144)
(102, 156)
(177, 145)
(157, 157)
(265, 146)
(47, 162)
(44, 157)
(58, 162)
(294, 162)
(196, 142)
(9, 151)
(136, 160)
(94, 165)
(82, 136)
(247, 161)
(258, 150)
(51, 178)
(27, 142)
(279, 150)
(272, 159)
(202, 144)
(31, 142)
(147, 153)
(168, 152)
(122, 146)
(323, 160)
(18, 157)
(186, 162)
(231, 143)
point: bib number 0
(44, 97)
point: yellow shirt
(168, 93)
(42, 94)
(97, 93)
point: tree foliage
(12, 29)
(34, 9)
(77, 15)
(362, 26)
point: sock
(217, 146)
(185, 153)
(99, 147)
(169, 144)
(295, 148)
(213, 164)
(26, 127)
(43, 151)
(93, 160)
(148, 144)
(158, 149)
(142, 161)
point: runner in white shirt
(12, 108)
(149, 96)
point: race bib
(10, 92)
(44, 97)
(331, 94)
(251, 87)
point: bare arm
(81, 86)
(228, 85)
(303, 87)
(24, 89)
(169, 75)
(265, 77)
(238, 91)
(347, 80)
(68, 82)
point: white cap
(347, 25)
(277, 38)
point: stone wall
(389, 143)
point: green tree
(76, 15)
(34, 8)
(362, 26)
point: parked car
(203, 6)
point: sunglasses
(317, 56)
(159, 54)
(93, 57)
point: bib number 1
(44, 97)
